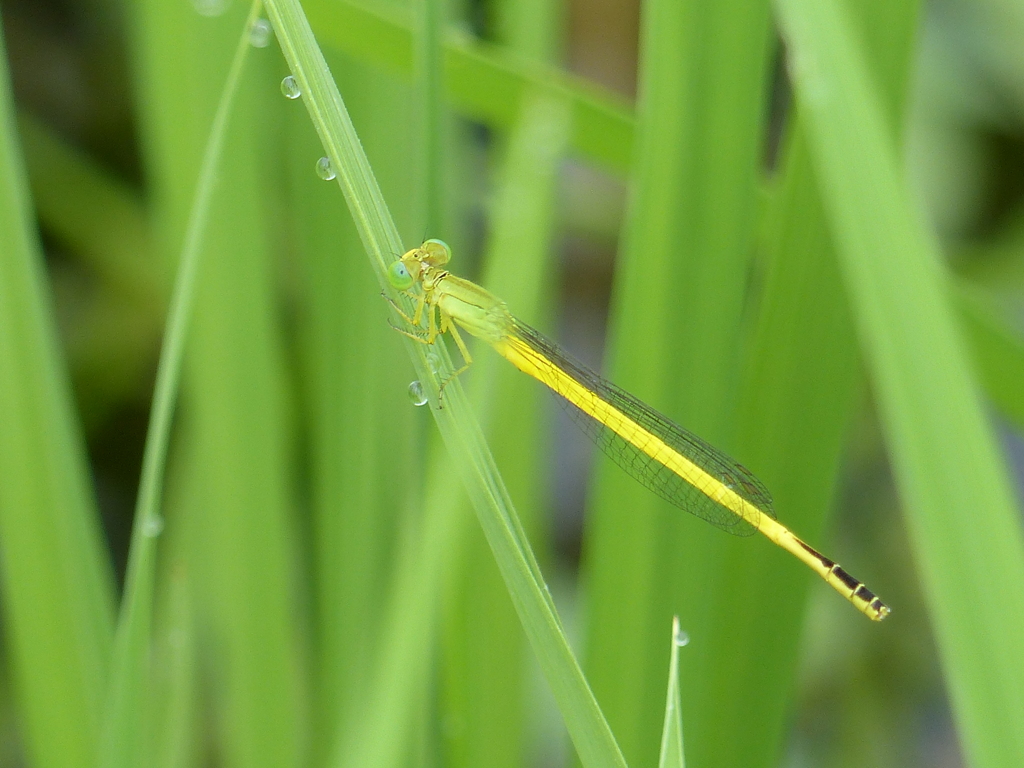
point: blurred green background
(796, 229)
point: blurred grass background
(747, 201)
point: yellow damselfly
(674, 463)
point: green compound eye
(437, 251)
(399, 277)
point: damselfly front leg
(448, 326)
(426, 299)
(417, 315)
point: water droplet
(681, 638)
(290, 88)
(210, 7)
(433, 362)
(259, 33)
(152, 526)
(416, 394)
(324, 169)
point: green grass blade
(959, 506)
(590, 733)
(122, 739)
(380, 734)
(175, 679)
(485, 690)
(797, 394)
(358, 420)
(240, 548)
(671, 755)
(242, 432)
(429, 123)
(677, 317)
(58, 590)
(489, 713)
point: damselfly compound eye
(399, 277)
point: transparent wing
(643, 467)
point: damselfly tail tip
(869, 604)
